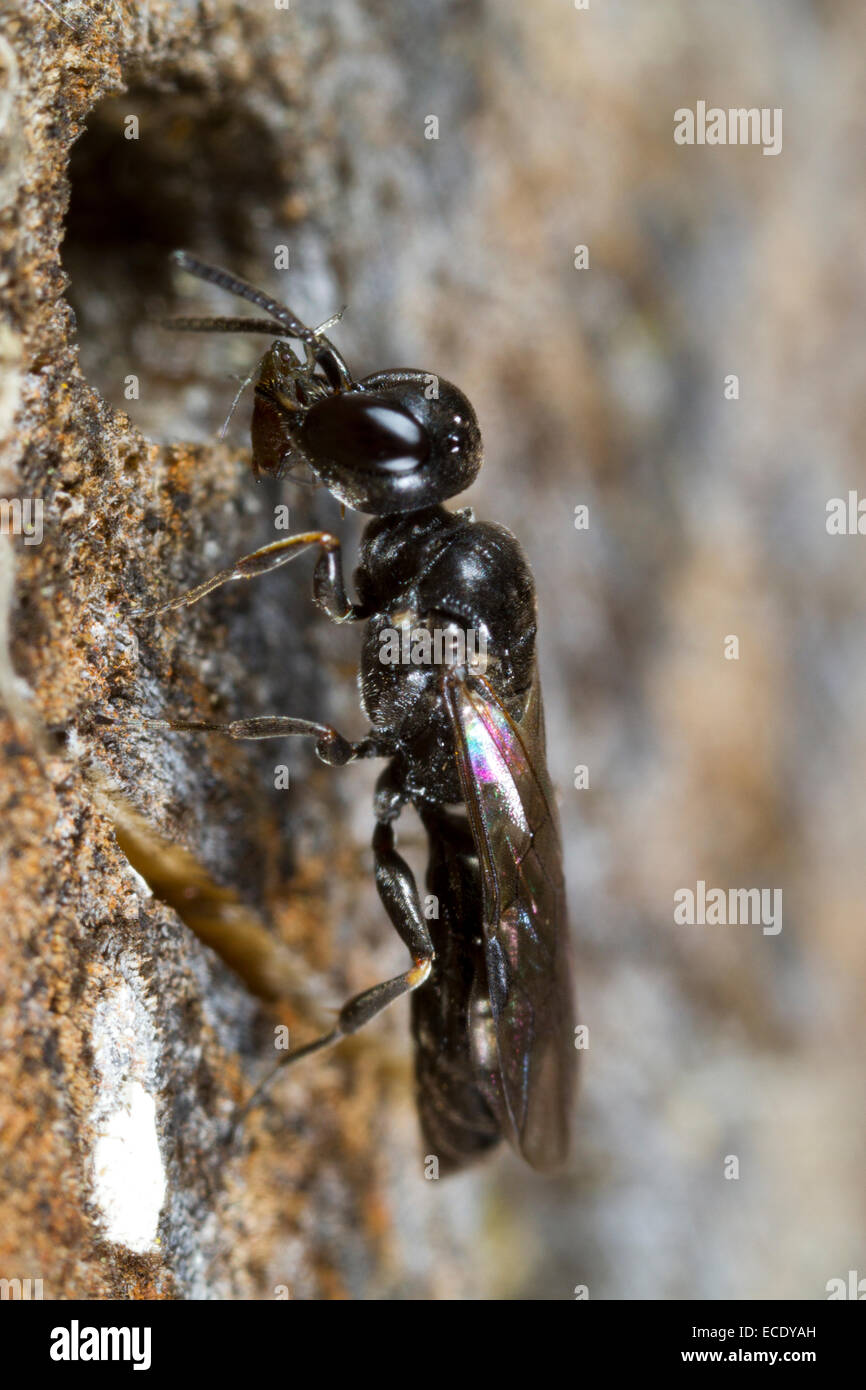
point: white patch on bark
(128, 1174)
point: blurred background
(602, 386)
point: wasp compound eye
(365, 436)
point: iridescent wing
(503, 774)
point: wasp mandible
(491, 980)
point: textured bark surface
(112, 1004)
(121, 1028)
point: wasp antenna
(227, 325)
(214, 275)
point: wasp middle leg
(331, 746)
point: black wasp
(492, 1003)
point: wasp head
(394, 442)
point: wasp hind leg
(399, 893)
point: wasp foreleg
(329, 588)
